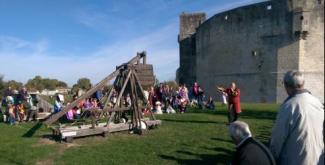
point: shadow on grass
(258, 114)
(215, 112)
(222, 140)
(264, 135)
(33, 130)
(222, 158)
(220, 149)
(194, 121)
(51, 137)
(13, 161)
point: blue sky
(70, 39)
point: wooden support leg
(119, 98)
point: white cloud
(9, 44)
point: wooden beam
(144, 97)
(56, 116)
(119, 97)
(135, 115)
(111, 92)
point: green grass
(196, 137)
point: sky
(71, 39)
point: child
(182, 104)
(69, 114)
(11, 111)
(224, 99)
(210, 103)
(170, 109)
(21, 111)
(174, 102)
(224, 95)
(128, 101)
(3, 112)
(158, 108)
(76, 112)
(57, 104)
(94, 103)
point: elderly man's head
(238, 131)
(293, 81)
(233, 85)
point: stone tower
(306, 48)
(186, 73)
(254, 46)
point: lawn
(196, 137)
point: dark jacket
(252, 152)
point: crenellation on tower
(188, 24)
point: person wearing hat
(158, 108)
(58, 104)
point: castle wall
(240, 45)
(255, 45)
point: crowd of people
(18, 106)
(161, 98)
(82, 108)
(164, 98)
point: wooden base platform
(69, 132)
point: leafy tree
(62, 84)
(35, 83)
(2, 85)
(84, 83)
(14, 84)
(74, 89)
(5, 84)
(49, 84)
(40, 83)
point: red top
(195, 90)
(234, 98)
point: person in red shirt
(233, 101)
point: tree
(35, 83)
(49, 84)
(40, 83)
(84, 83)
(5, 84)
(2, 85)
(62, 84)
(14, 84)
(74, 89)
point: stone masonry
(254, 46)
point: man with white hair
(297, 136)
(248, 150)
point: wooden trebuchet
(54, 117)
(127, 82)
